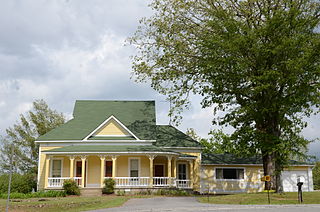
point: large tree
(255, 60)
(21, 137)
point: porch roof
(109, 149)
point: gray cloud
(62, 51)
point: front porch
(130, 182)
(128, 171)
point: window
(230, 173)
(182, 171)
(134, 167)
(56, 170)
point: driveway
(190, 204)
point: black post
(299, 184)
(269, 193)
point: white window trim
(129, 165)
(106, 121)
(51, 165)
(187, 169)
(237, 180)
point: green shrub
(71, 187)
(19, 184)
(173, 192)
(108, 186)
(39, 194)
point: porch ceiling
(110, 149)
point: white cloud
(62, 51)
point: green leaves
(257, 61)
(38, 121)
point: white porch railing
(78, 180)
(57, 182)
(161, 181)
(132, 181)
(183, 183)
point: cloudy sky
(61, 51)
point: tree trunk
(268, 168)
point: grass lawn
(262, 198)
(71, 203)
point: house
(121, 140)
(225, 173)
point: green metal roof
(138, 116)
(233, 160)
(169, 136)
(108, 148)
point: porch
(130, 182)
(128, 171)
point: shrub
(108, 186)
(19, 184)
(71, 187)
(173, 192)
(39, 194)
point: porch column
(47, 171)
(114, 164)
(83, 169)
(151, 157)
(175, 168)
(169, 169)
(191, 173)
(71, 166)
(102, 173)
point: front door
(79, 171)
(159, 170)
(108, 169)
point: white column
(191, 173)
(169, 169)
(83, 169)
(47, 168)
(71, 166)
(102, 169)
(114, 165)
(151, 157)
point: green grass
(262, 198)
(66, 204)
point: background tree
(256, 60)
(38, 121)
(316, 176)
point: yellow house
(121, 140)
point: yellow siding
(196, 170)
(41, 167)
(250, 183)
(112, 128)
(123, 166)
(94, 170)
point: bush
(19, 184)
(34, 195)
(108, 186)
(71, 187)
(173, 192)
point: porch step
(91, 192)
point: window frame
(129, 165)
(51, 167)
(215, 174)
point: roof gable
(111, 128)
(136, 116)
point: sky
(67, 50)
